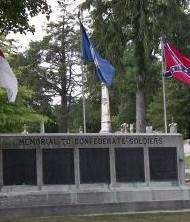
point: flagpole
(83, 97)
(80, 15)
(163, 86)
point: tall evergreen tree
(52, 72)
(141, 22)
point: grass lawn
(187, 176)
(152, 217)
(187, 162)
(187, 166)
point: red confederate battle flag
(177, 66)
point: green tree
(178, 106)
(51, 68)
(177, 94)
(15, 14)
(118, 23)
(14, 115)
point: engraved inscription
(91, 141)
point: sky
(40, 21)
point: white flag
(7, 78)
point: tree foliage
(15, 14)
(177, 106)
(127, 33)
(51, 69)
(119, 25)
(14, 115)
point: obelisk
(105, 110)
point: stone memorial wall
(43, 174)
(76, 159)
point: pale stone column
(112, 167)
(39, 169)
(77, 167)
(180, 163)
(146, 166)
(105, 111)
(1, 169)
(42, 128)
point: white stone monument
(24, 129)
(131, 128)
(80, 129)
(124, 128)
(42, 127)
(173, 127)
(149, 129)
(105, 111)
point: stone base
(106, 127)
(104, 200)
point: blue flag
(104, 69)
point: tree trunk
(63, 125)
(140, 56)
(140, 111)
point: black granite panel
(163, 163)
(19, 167)
(58, 166)
(129, 163)
(94, 165)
